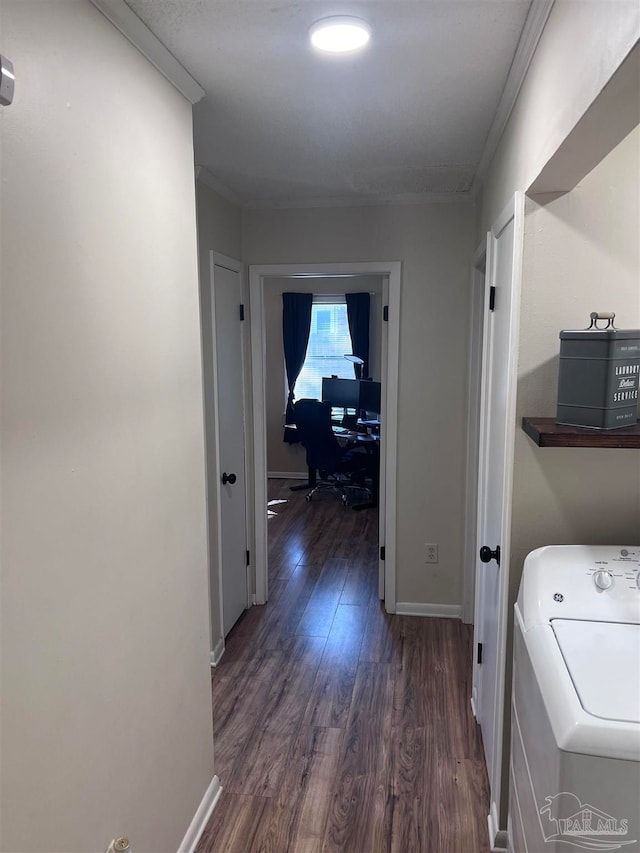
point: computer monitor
(370, 394)
(341, 393)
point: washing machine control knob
(603, 579)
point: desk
(350, 436)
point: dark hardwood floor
(338, 727)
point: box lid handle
(609, 316)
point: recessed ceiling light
(340, 34)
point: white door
(230, 420)
(497, 434)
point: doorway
(495, 485)
(260, 276)
(225, 406)
(474, 386)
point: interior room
(286, 460)
(180, 669)
(355, 423)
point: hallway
(338, 727)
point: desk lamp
(357, 364)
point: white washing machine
(575, 711)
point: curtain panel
(358, 311)
(296, 325)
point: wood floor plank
(360, 816)
(330, 699)
(281, 568)
(360, 740)
(260, 767)
(467, 739)
(435, 659)
(238, 641)
(417, 698)
(346, 636)
(286, 616)
(233, 825)
(382, 641)
(237, 711)
(247, 659)
(296, 818)
(414, 819)
(318, 615)
(461, 783)
(361, 583)
(345, 541)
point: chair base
(339, 488)
(323, 487)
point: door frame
(258, 277)
(474, 392)
(513, 210)
(217, 642)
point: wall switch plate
(430, 553)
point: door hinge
(382, 552)
(479, 657)
(242, 312)
(492, 298)
(385, 313)
(248, 557)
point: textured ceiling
(281, 123)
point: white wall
(574, 262)
(219, 224)
(219, 230)
(581, 254)
(434, 244)
(290, 458)
(582, 45)
(106, 709)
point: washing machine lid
(603, 660)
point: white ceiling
(280, 123)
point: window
(329, 342)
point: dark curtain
(358, 309)
(296, 325)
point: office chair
(339, 468)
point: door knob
(228, 478)
(486, 554)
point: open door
(495, 481)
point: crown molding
(534, 25)
(365, 201)
(150, 46)
(204, 176)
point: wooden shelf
(545, 432)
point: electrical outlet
(430, 553)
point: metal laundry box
(598, 378)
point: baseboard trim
(473, 708)
(497, 836)
(502, 843)
(217, 653)
(287, 475)
(201, 817)
(446, 611)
